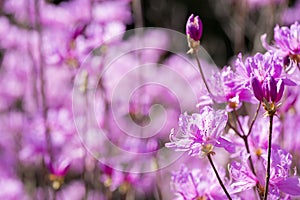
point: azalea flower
(200, 132)
(196, 184)
(280, 179)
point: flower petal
(290, 186)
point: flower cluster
(258, 159)
(196, 184)
(200, 132)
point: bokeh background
(55, 51)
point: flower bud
(194, 32)
(258, 93)
(194, 27)
(280, 88)
(268, 89)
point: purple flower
(263, 65)
(260, 75)
(287, 41)
(12, 188)
(194, 27)
(60, 167)
(197, 184)
(280, 180)
(255, 4)
(243, 177)
(291, 126)
(286, 45)
(258, 139)
(231, 87)
(194, 32)
(269, 89)
(267, 77)
(114, 179)
(291, 14)
(200, 132)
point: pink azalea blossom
(200, 132)
(196, 184)
(280, 181)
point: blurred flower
(74, 190)
(290, 140)
(291, 14)
(58, 169)
(262, 3)
(114, 179)
(12, 189)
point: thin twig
(238, 121)
(254, 119)
(201, 72)
(235, 130)
(42, 79)
(245, 139)
(218, 176)
(138, 13)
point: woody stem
(269, 158)
(218, 176)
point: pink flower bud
(194, 27)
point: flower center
(258, 152)
(270, 108)
(261, 190)
(232, 105)
(295, 57)
(207, 149)
(56, 181)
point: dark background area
(173, 14)
(220, 39)
(229, 26)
